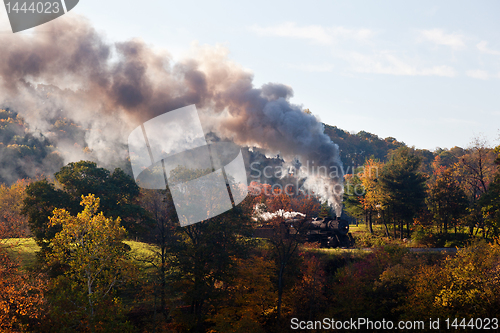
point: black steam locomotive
(329, 232)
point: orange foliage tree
(12, 222)
(22, 302)
(373, 200)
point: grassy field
(23, 251)
(142, 254)
(338, 252)
(428, 237)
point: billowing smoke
(69, 70)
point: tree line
(459, 193)
(87, 279)
(214, 276)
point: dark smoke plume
(69, 70)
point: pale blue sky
(426, 73)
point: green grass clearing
(142, 254)
(23, 250)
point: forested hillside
(24, 153)
(112, 256)
(356, 148)
(27, 153)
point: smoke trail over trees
(107, 89)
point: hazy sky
(426, 73)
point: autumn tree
(203, 262)
(23, 306)
(117, 191)
(41, 199)
(490, 202)
(478, 167)
(446, 158)
(203, 256)
(373, 199)
(426, 161)
(309, 293)
(251, 301)
(447, 201)
(89, 247)
(463, 286)
(356, 287)
(475, 171)
(353, 193)
(403, 186)
(12, 222)
(287, 237)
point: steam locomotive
(329, 232)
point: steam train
(329, 232)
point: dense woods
(110, 256)
(457, 195)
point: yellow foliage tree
(89, 248)
(467, 285)
(253, 298)
(373, 200)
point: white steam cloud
(108, 89)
